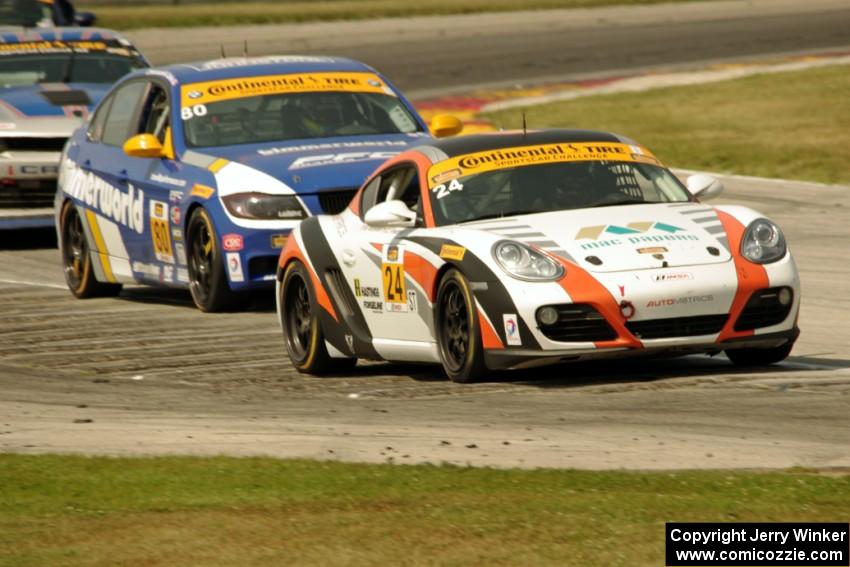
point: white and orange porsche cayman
(510, 250)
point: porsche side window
(124, 106)
(155, 113)
(400, 184)
(370, 194)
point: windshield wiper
(501, 215)
(618, 203)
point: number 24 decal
(443, 190)
(189, 112)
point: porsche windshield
(92, 67)
(552, 187)
(277, 117)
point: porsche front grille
(578, 322)
(763, 310)
(677, 327)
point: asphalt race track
(147, 373)
(435, 55)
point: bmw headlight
(525, 263)
(763, 242)
(262, 206)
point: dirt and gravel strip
(147, 374)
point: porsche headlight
(525, 263)
(763, 242)
(262, 206)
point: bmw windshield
(545, 178)
(30, 63)
(291, 107)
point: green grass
(140, 15)
(793, 125)
(63, 510)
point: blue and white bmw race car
(510, 250)
(50, 80)
(194, 175)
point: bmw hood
(52, 99)
(326, 164)
(629, 237)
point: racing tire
(759, 356)
(207, 278)
(458, 330)
(76, 258)
(302, 330)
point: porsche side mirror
(390, 214)
(143, 146)
(445, 125)
(704, 186)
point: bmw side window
(155, 113)
(124, 108)
(95, 131)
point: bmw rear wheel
(302, 331)
(759, 356)
(458, 330)
(76, 258)
(207, 278)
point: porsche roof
(237, 67)
(461, 145)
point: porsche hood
(628, 237)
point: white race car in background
(511, 250)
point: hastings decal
(125, 208)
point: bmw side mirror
(388, 214)
(704, 186)
(445, 125)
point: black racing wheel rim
(74, 248)
(454, 326)
(201, 260)
(297, 318)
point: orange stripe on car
(489, 338)
(584, 288)
(423, 272)
(751, 277)
(293, 252)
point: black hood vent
(67, 98)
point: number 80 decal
(189, 112)
(443, 190)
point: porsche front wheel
(458, 330)
(302, 331)
(76, 258)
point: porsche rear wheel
(759, 356)
(207, 279)
(302, 331)
(458, 330)
(76, 258)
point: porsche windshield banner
(228, 89)
(489, 160)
